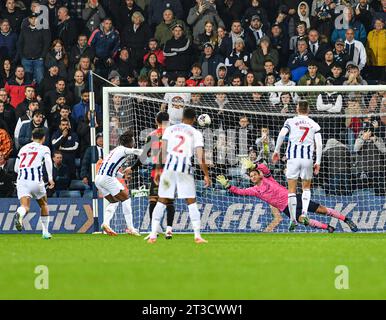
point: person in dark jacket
(255, 31)
(177, 52)
(52, 95)
(85, 170)
(22, 107)
(298, 61)
(81, 49)
(66, 141)
(136, 36)
(7, 177)
(8, 41)
(7, 114)
(280, 42)
(156, 9)
(49, 81)
(79, 111)
(25, 135)
(33, 46)
(209, 60)
(13, 14)
(66, 29)
(126, 12)
(60, 174)
(126, 67)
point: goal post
(245, 122)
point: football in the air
(204, 120)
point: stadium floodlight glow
(238, 116)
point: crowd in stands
(49, 47)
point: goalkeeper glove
(223, 181)
(247, 164)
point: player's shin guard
(306, 197)
(195, 218)
(317, 224)
(170, 210)
(109, 213)
(158, 213)
(127, 213)
(292, 204)
(335, 214)
(45, 220)
(21, 211)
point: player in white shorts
(30, 184)
(111, 188)
(304, 134)
(179, 142)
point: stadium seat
(78, 185)
(70, 194)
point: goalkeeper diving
(266, 188)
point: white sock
(128, 213)
(306, 197)
(109, 213)
(169, 229)
(292, 203)
(45, 220)
(195, 217)
(158, 213)
(22, 211)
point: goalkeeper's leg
(314, 207)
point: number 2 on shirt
(24, 156)
(178, 146)
(306, 130)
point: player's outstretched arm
(204, 168)
(280, 139)
(48, 163)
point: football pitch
(230, 266)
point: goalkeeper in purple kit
(270, 191)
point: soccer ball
(204, 120)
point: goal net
(245, 122)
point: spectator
(85, 66)
(354, 77)
(105, 41)
(340, 54)
(93, 14)
(238, 61)
(85, 171)
(221, 74)
(337, 77)
(299, 60)
(7, 177)
(263, 53)
(49, 81)
(135, 36)
(230, 10)
(229, 42)
(151, 63)
(317, 48)
(256, 8)
(355, 50)
(33, 46)
(208, 36)
(83, 132)
(115, 78)
(157, 10)
(330, 102)
(7, 113)
(236, 81)
(154, 48)
(265, 146)
(327, 63)
(301, 33)
(164, 30)
(81, 49)
(196, 79)
(177, 51)
(280, 42)
(13, 14)
(6, 72)
(57, 56)
(325, 17)
(245, 136)
(66, 29)
(285, 75)
(312, 77)
(76, 9)
(224, 44)
(254, 33)
(80, 110)
(353, 120)
(126, 68)
(364, 13)
(209, 81)
(154, 78)
(58, 112)
(200, 14)
(209, 60)
(8, 41)
(350, 23)
(269, 68)
(376, 48)
(22, 107)
(25, 135)
(53, 7)
(27, 117)
(60, 174)
(126, 13)
(60, 91)
(78, 85)
(286, 104)
(66, 141)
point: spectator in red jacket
(15, 87)
(153, 48)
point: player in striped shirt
(303, 133)
(111, 188)
(266, 188)
(30, 184)
(180, 142)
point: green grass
(237, 266)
